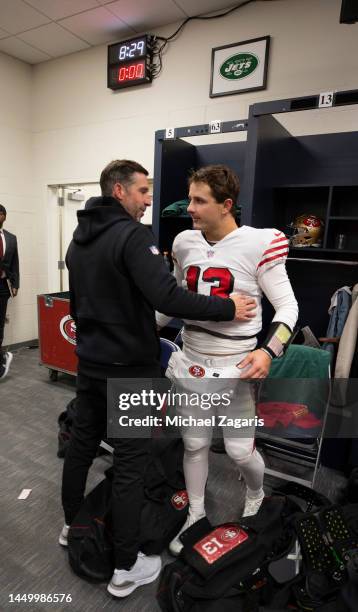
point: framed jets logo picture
(239, 67)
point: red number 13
(210, 275)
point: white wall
(79, 125)
(310, 52)
(16, 189)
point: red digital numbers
(131, 72)
(222, 276)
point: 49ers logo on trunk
(68, 329)
(197, 371)
(180, 500)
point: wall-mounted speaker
(349, 11)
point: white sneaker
(252, 505)
(145, 570)
(63, 538)
(6, 365)
(175, 545)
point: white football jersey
(232, 265)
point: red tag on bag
(219, 542)
(180, 499)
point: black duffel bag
(228, 568)
(90, 540)
(219, 567)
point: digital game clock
(129, 62)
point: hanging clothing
(341, 302)
(346, 351)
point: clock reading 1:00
(124, 66)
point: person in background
(117, 278)
(217, 258)
(9, 284)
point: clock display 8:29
(132, 50)
(128, 49)
(129, 62)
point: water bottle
(340, 241)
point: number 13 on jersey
(221, 279)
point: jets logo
(196, 371)
(68, 329)
(180, 500)
(239, 66)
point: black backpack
(228, 568)
(90, 541)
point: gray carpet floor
(31, 561)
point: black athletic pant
(4, 296)
(129, 462)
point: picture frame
(239, 67)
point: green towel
(301, 362)
(301, 376)
(177, 209)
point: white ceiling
(38, 30)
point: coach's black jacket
(117, 278)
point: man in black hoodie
(117, 279)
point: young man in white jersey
(219, 258)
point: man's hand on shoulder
(245, 306)
(258, 365)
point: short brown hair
(223, 182)
(119, 171)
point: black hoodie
(117, 278)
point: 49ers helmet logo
(68, 329)
(230, 534)
(180, 500)
(197, 371)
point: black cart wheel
(53, 375)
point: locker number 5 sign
(239, 67)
